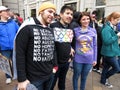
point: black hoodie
(35, 56)
(63, 38)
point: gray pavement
(92, 82)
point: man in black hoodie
(94, 24)
(63, 38)
(35, 55)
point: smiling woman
(86, 50)
(84, 19)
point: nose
(70, 16)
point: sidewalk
(92, 82)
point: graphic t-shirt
(63, 35)
(86, 45)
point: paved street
(92, 82)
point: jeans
(83, 70)
(44, 84)
(110, 67)
(7, 54)
(61, 76)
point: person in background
(85, 50)
(94, 24)
(110, 48)
(74, 22)
(57, 18)
(8, 30)
(11, 14)
(118, 27)
(63, 38)
(19, 18)
(117, 31)
(35, 50)
(14, 17)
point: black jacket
(99, 38)
(35, 55)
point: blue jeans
(83, 70)
(44, 84)
(7, 54)
(61, 76)
(110, 67)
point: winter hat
(46, 5)
(3, 8)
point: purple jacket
(85, 45)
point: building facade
(28, 8)
(104, 7)
(16, 6)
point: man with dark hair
(63, 38)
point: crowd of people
(42, 48)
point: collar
(111, 25)
(84, 31)
(64, 26)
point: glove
(118, 34)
